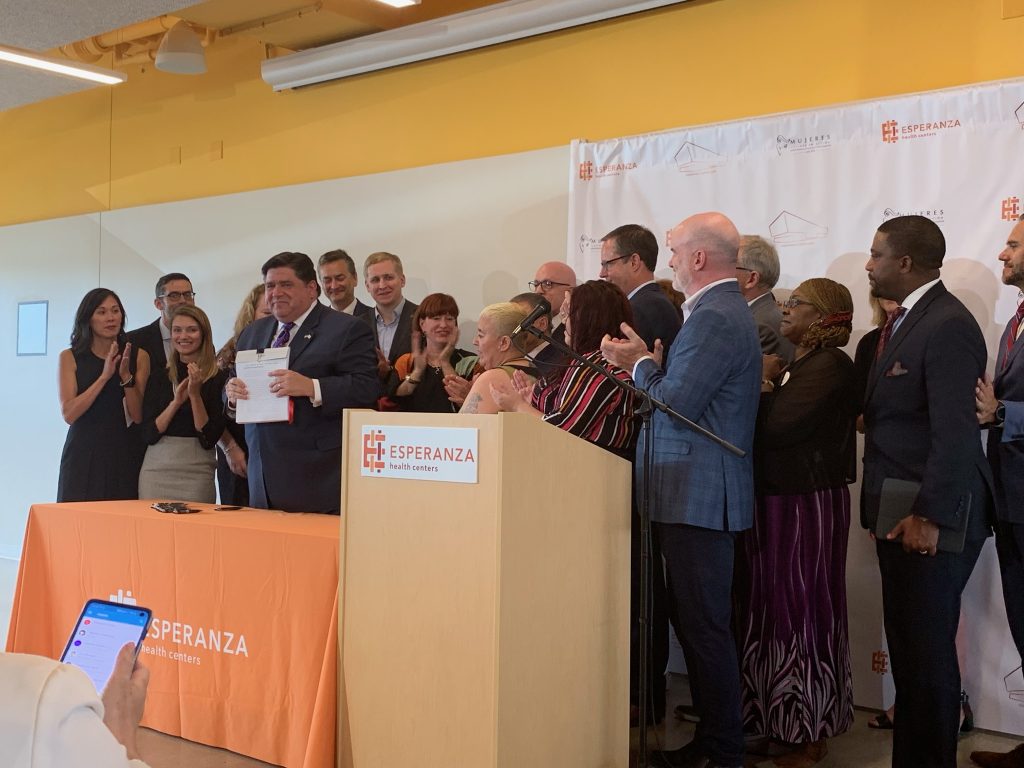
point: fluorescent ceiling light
(399, 3)
(60, 66)
(490, 25)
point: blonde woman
(497, 355)
(183, 416)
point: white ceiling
(40, 25)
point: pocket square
(897, 370)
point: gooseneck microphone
(543, 308)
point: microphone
(543, 308)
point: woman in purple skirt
(791, 566)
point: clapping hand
(110, 362)
(124, 366)
(195, 381)
(506, 397)
(523, 385)
(457, 388)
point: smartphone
(102, 629)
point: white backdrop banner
(818, 184)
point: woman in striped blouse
(583, 402)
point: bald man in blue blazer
(702, 495)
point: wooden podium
(486, 625)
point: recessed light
(399, 3)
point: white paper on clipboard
(253, 368)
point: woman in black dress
(418, 380)
(101, 388)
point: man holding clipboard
(329, 365)
(927, 487)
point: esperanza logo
(373, 451)
(892, 131)
(589, 170)
(1009, 210)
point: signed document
(262, 405)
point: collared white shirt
(350, 309)
(912, 298)
(642, 285)
(317, 398)
(386, 331)
(688, 305)
(165, 335)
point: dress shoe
(686, 713)
(676, 758)
(1012, 759)
(966, 713)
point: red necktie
(890, 323)
(1011, 337)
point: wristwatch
(1000, 414)
(411, 380)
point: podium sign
(444, 454)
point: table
(243, 645)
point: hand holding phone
(102, 630)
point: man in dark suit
(1000, 406)
(172, 291)
(295, 465)
(629, 256)
(391, 317)
(702, 495)
(339, 280)
(758, 272)
(920, 425)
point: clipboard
(253, 367)
(896, 502)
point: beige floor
(860, 747)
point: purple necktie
(1011, 337)
(284, 335)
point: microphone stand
(648, 404)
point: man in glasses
(554, 279)
(757, 273)
(629, 256)
(172, 291)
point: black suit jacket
(654, 317)
(1006, 443)
(402, 343)
(296, 466)
(919, 415)
(149, 338)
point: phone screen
(102, 630)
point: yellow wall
(690, 64)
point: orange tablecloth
(243, 645)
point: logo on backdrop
(589, 170)
(879, 662)
(124, 597)
(588, 244)
(802, 144)
(789, 229)
(373, 450)
(892, 131)
(938, 215)
(1019, 114)
(1009, 209)
(693, 159)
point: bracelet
(411, 380)
(128, 384)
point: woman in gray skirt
(183, 415)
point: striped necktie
(284, 335)
(1011, 337)
(890, 323)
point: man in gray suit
(757, 273)
(702, 495)
(1000, 405)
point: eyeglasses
(604, 264)
(747, 269)
(547, 285)
(178, 295)
(792, 302)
